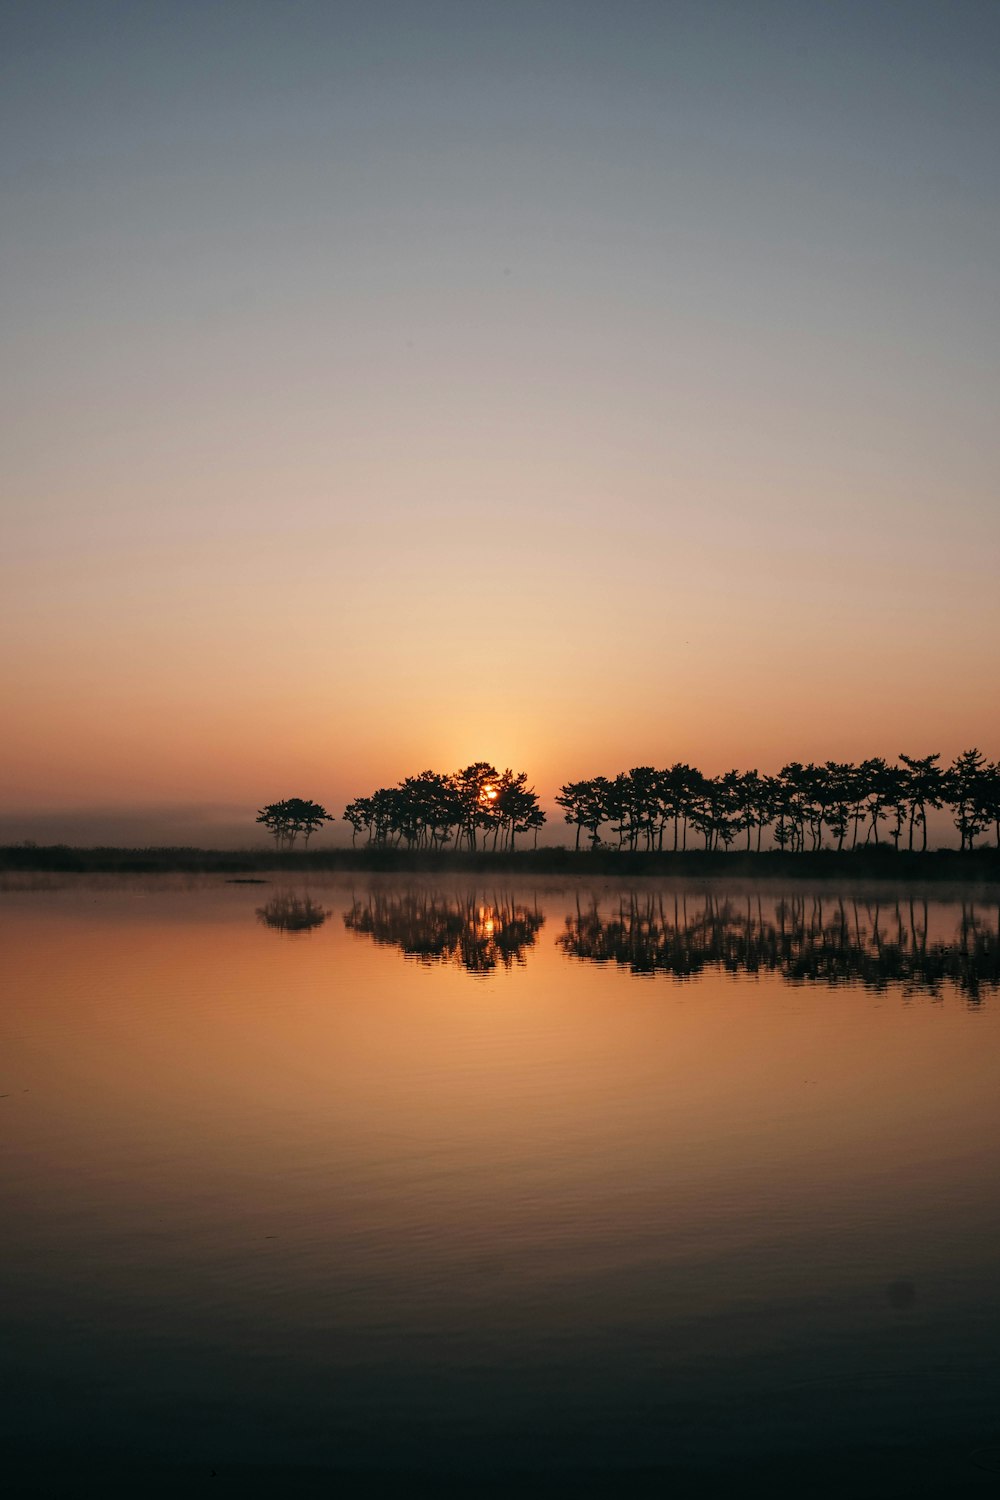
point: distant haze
(139, 827)
(211, 827)
(569, 385)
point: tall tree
(925, 787)
(989, 797)
(359, 814)
(517, 806)
(840, 787)
(477, 788)
(965, 784)
(572, 798)
(878, 790)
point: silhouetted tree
(477, 790)
(572, 798)
(437, 808)
(753, 800)
(925, 787)
(878, 790)
(715, 812)
(294, 816)
(517, 807)
(794, 785)
(989, 797)
(359, 814)
(965, 782)
(841, 777)
(895, 786)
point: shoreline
(980, 866)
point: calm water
(380, 1187)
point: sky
(571, 386)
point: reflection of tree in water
(471, 931)
(287, 912)
(822, 939)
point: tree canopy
(869, 803)
(294, 816)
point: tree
(965, 781)
(517, 807)
(572, 798)
(925, 787)
(308, 817)
(359, 814)
(895, 783)
(643, 805)
(840, 785)
(989, 797)
(477, 788)
(878, 792)
(716, 813)
(436, 808)
(685, 783)
(276, 819)
(294, 816)
(753, 801)
(793, 796)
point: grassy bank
(982, 865)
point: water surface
(382, 1186)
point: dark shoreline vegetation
(978, 866)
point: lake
(394, 1186)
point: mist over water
(420, 1188)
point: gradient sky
(570, 385)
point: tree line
(866, 803)
(836, 804)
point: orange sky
(616, 395)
